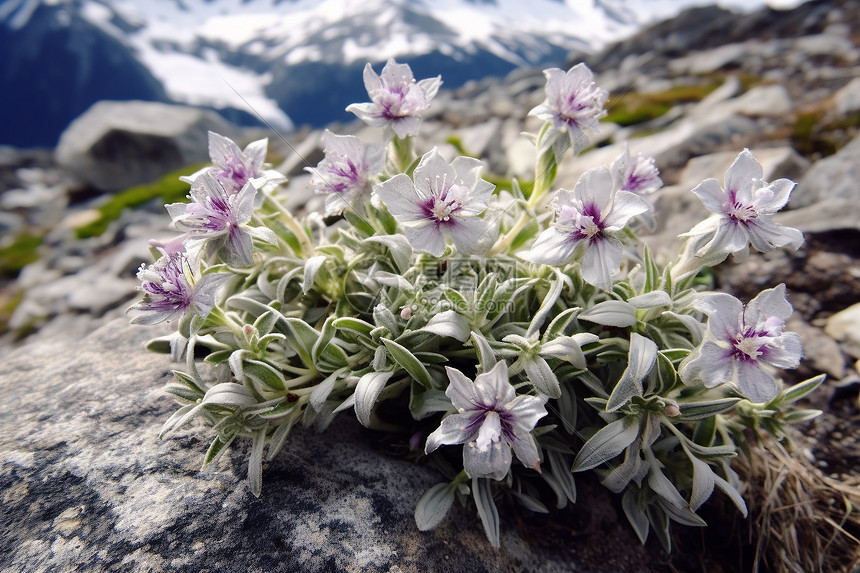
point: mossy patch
(19, 252)
(169, 188)
(631, 108)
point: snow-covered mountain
(287, 61)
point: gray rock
(847, 99)
(114, 145)
(832, 178)
(88, 486)
(844, 327)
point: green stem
(293, 225)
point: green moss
(631, 108)
(20, 252)
(169, 188)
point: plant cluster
(520, 335)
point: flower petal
(742, 173)
(492, 463)
(460, 390)
(526, 450)
(601, 260)
(767, 303)
(493, 388)
(712, 195)
(454, 429)
(724, 312)
(526, 411)
(786, 352)
(756, 384)
(712, 364)
(426, 238)
(401, 198)
(552, 247)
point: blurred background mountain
(289, 62)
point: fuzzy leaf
(366, 392)
(607, 443)
(433, 506)
(483, 494)
(409, 363)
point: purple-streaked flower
(743, 212)
(443, 202)
(234, 167)
(345, 175)
(587, 220)
(397, 100)
(170, 289)
(742, 339)
(635, 174)
(573, 103)
(218, 216)
(491, 420)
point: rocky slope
(89, 486)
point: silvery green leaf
(801, 389)
(703, 482)
(696, 328)
(698, 410)
(558, 325)
(548, 303)
(266, 322)
(635, 515)
(366, 392)
(457, 300)
(652, 278)
(323, 389)
(712, 452)
(449, 323)
(264, 234)
(651, 299)
(346, 404)
(798, 416)
(733, 494)
(541, 377)
(392, 280)
(399, 247)
(611, 313)
(236, 362)
(486, 356)
(180, 414)
(409, 363)
(643, 354)
(607, 443)
(674, 503)
(302, 338)
(567, 410)
(255, 462)
(433, 506)
(558, 490)
(183, 392)
(279, 437)
(350, 323)
(229, 394)
(483, 495)
(568, 348)
(561, 471)
(622, 474)
(426, 402)
(326, 335)
(217, 449)
(264, 374)
(379, 358)
(383, 317)
(529, 502)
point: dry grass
(802, 521)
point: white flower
(573, 103)
(740, 340)
(743, 212)
(170, 288)
(397, 100)
(214, 213)
(443, 202)
(345, 173)
(492, 419)
(233, 167)
(638, 174)
(586, 221)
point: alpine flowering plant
(527, 330)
